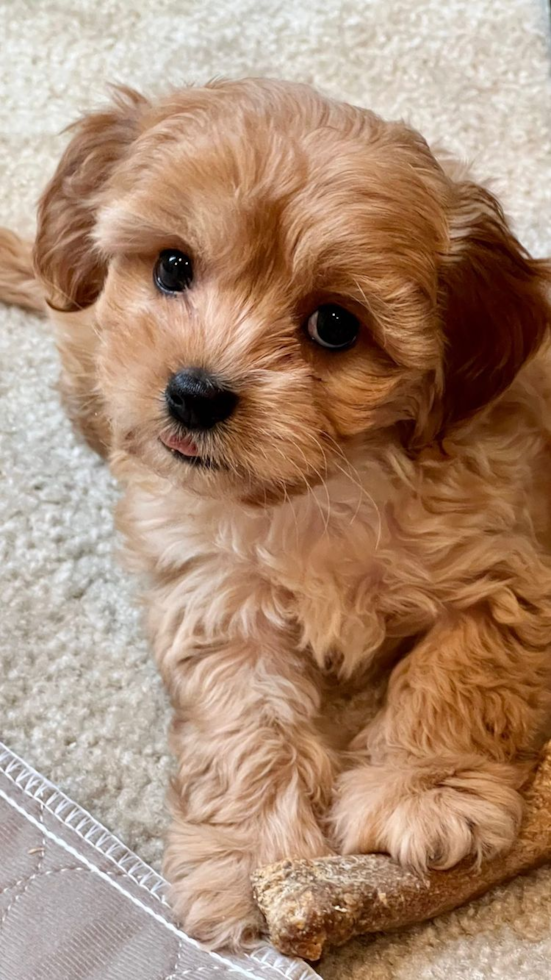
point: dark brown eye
(333, 327)
(173, 271)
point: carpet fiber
(79, 696)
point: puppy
(317, 360)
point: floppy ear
(495, 311)
(65, 259)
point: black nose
(194, 398)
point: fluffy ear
(495, 311)
(64, 256)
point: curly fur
(376, 516)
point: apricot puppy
(317, 360)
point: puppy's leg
(18, 284)
(253, 777)
(443, 762)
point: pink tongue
(182, 444)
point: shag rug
(79, 695)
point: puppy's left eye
(173, 271)
(333, 327)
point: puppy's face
(273, 277)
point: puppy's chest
(334, 583)
(345, 573)
(319, 574)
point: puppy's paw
(210, 889)
(428, 816)
(214, 904)
(209, 869)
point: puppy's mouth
(184, 448)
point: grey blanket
(76, 904)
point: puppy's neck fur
(362, 561)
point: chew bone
(312, 903)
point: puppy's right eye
(173, 271)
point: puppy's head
(278, 279)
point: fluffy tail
(18, 284)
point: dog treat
(311, 904)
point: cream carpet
(79, 696)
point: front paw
(209, 869)
(428, 816)
(214, 904)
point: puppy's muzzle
(195, 399)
